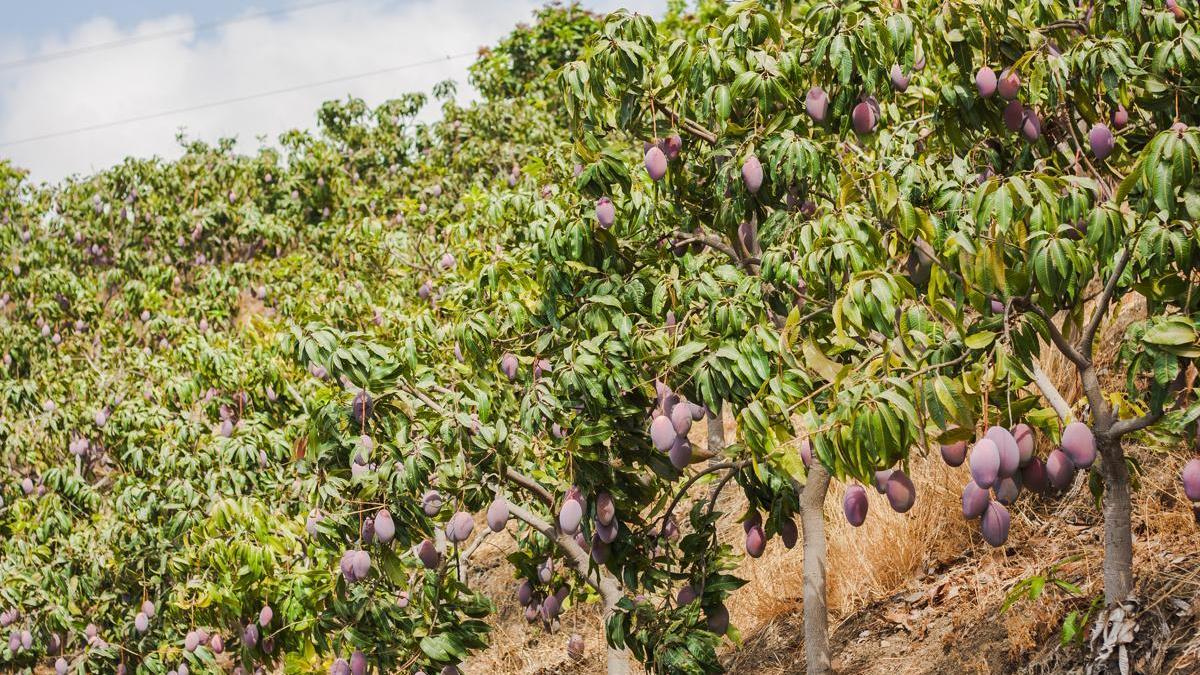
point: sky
(59, 72)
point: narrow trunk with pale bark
(715, 422)
(1118, 532)
(716, 434)
(619, 660)
(816, 611)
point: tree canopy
(252, 405)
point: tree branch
(413, 266)
(437, 407)
(1102, 302)
(1101, 411)
(1059, 340)
(686, 124)
(1050, 392)
(716, 493)
(479, 539)
(936, 366)
(684, 238)
(1072, 24)
(529, 484)
(1125, 426)
(711, 468)
(566, 543)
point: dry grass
(909, 613)
(864, 563)
(903, 589)
(874, 560)
(520, 647)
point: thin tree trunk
(604, 583)
(816, 612)
(619, 660)
(1118, 532)
(715, 423)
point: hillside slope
(603, 372)
(172, 400)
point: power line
(228, 101)
(137, 39)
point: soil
(935, 628)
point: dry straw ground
(921, 592)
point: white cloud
(237, 60)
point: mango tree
(1086, 208)
(740, 171)
(860, 165)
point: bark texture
(816, 613)
(1118, 532)
(716, 434)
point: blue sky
(301, 42)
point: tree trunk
(715, 422)
(715, 426)
(1118, 532)
(816, 613)
(605, 584)
(619, 660)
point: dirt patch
(950, 618)
(927, 632)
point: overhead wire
(229, 101)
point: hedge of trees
(258, 409)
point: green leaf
(1171, 333)
(1070, 628)
(686, 351)
(438, 647)
(980, 340)
(1068, 587)
(826, 368)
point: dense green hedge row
(270, 395)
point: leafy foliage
(220, 372)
